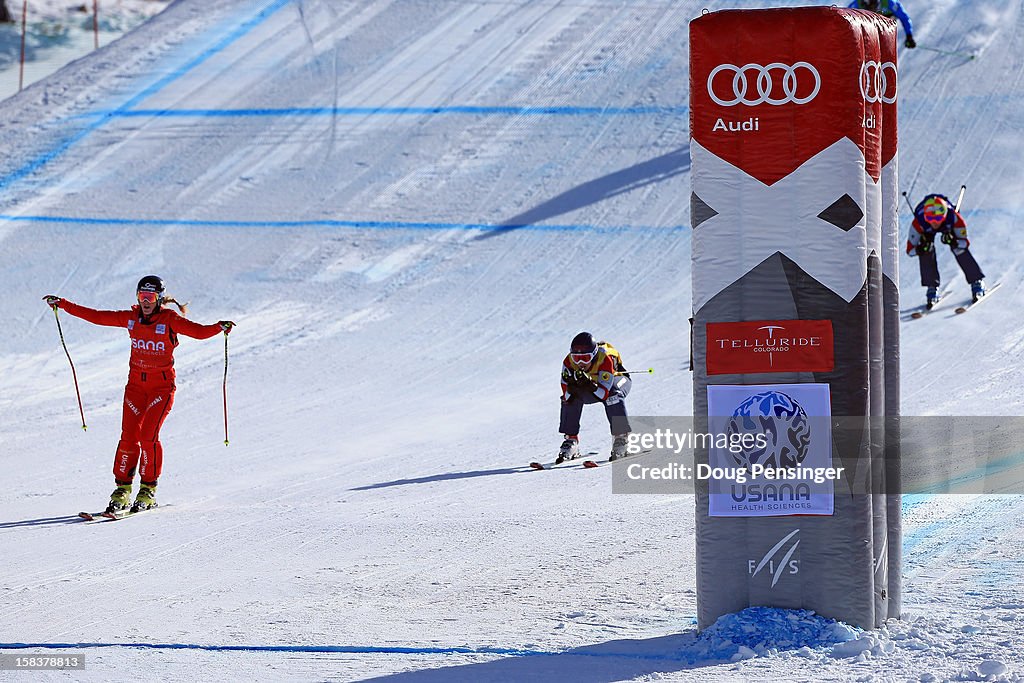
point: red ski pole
(74, 375)
(21, 60)
(225, 387)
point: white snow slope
(334, 176)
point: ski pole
(951, 53)
(960, 198)
(648, 371)
(225, 387)
(908, 202)
(74, 375)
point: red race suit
(149, 394)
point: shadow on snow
(639, 175)
(614, 660)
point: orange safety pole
(21, 68)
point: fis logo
(148, 345)
(776, 562)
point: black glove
(924, 248)
(52, 300)
(948, 238)
(909, 42)
(582, 379)
(226, 325)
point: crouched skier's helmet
(583, 349)
(935, 210)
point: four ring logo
(764, 83)
(874, 82)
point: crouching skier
(592, 372)
(936, 216)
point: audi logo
(764, 84)
(874, 84)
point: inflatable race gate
(795, 307)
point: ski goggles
(582, 356)
(148, 297)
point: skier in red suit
(149, 394)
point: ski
(558, 465)
(586, 464)
(554, 465)
(104, 515)
(923, 310)
(568, 464)
(969, 306)
(121, 514)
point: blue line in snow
(688, 652)
(984, 471)
(391, 111)
(366, 225)
(358, 649)
(62, 147)
(347, 649)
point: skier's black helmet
(583, 343)
(151, 284)
(583, 349)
